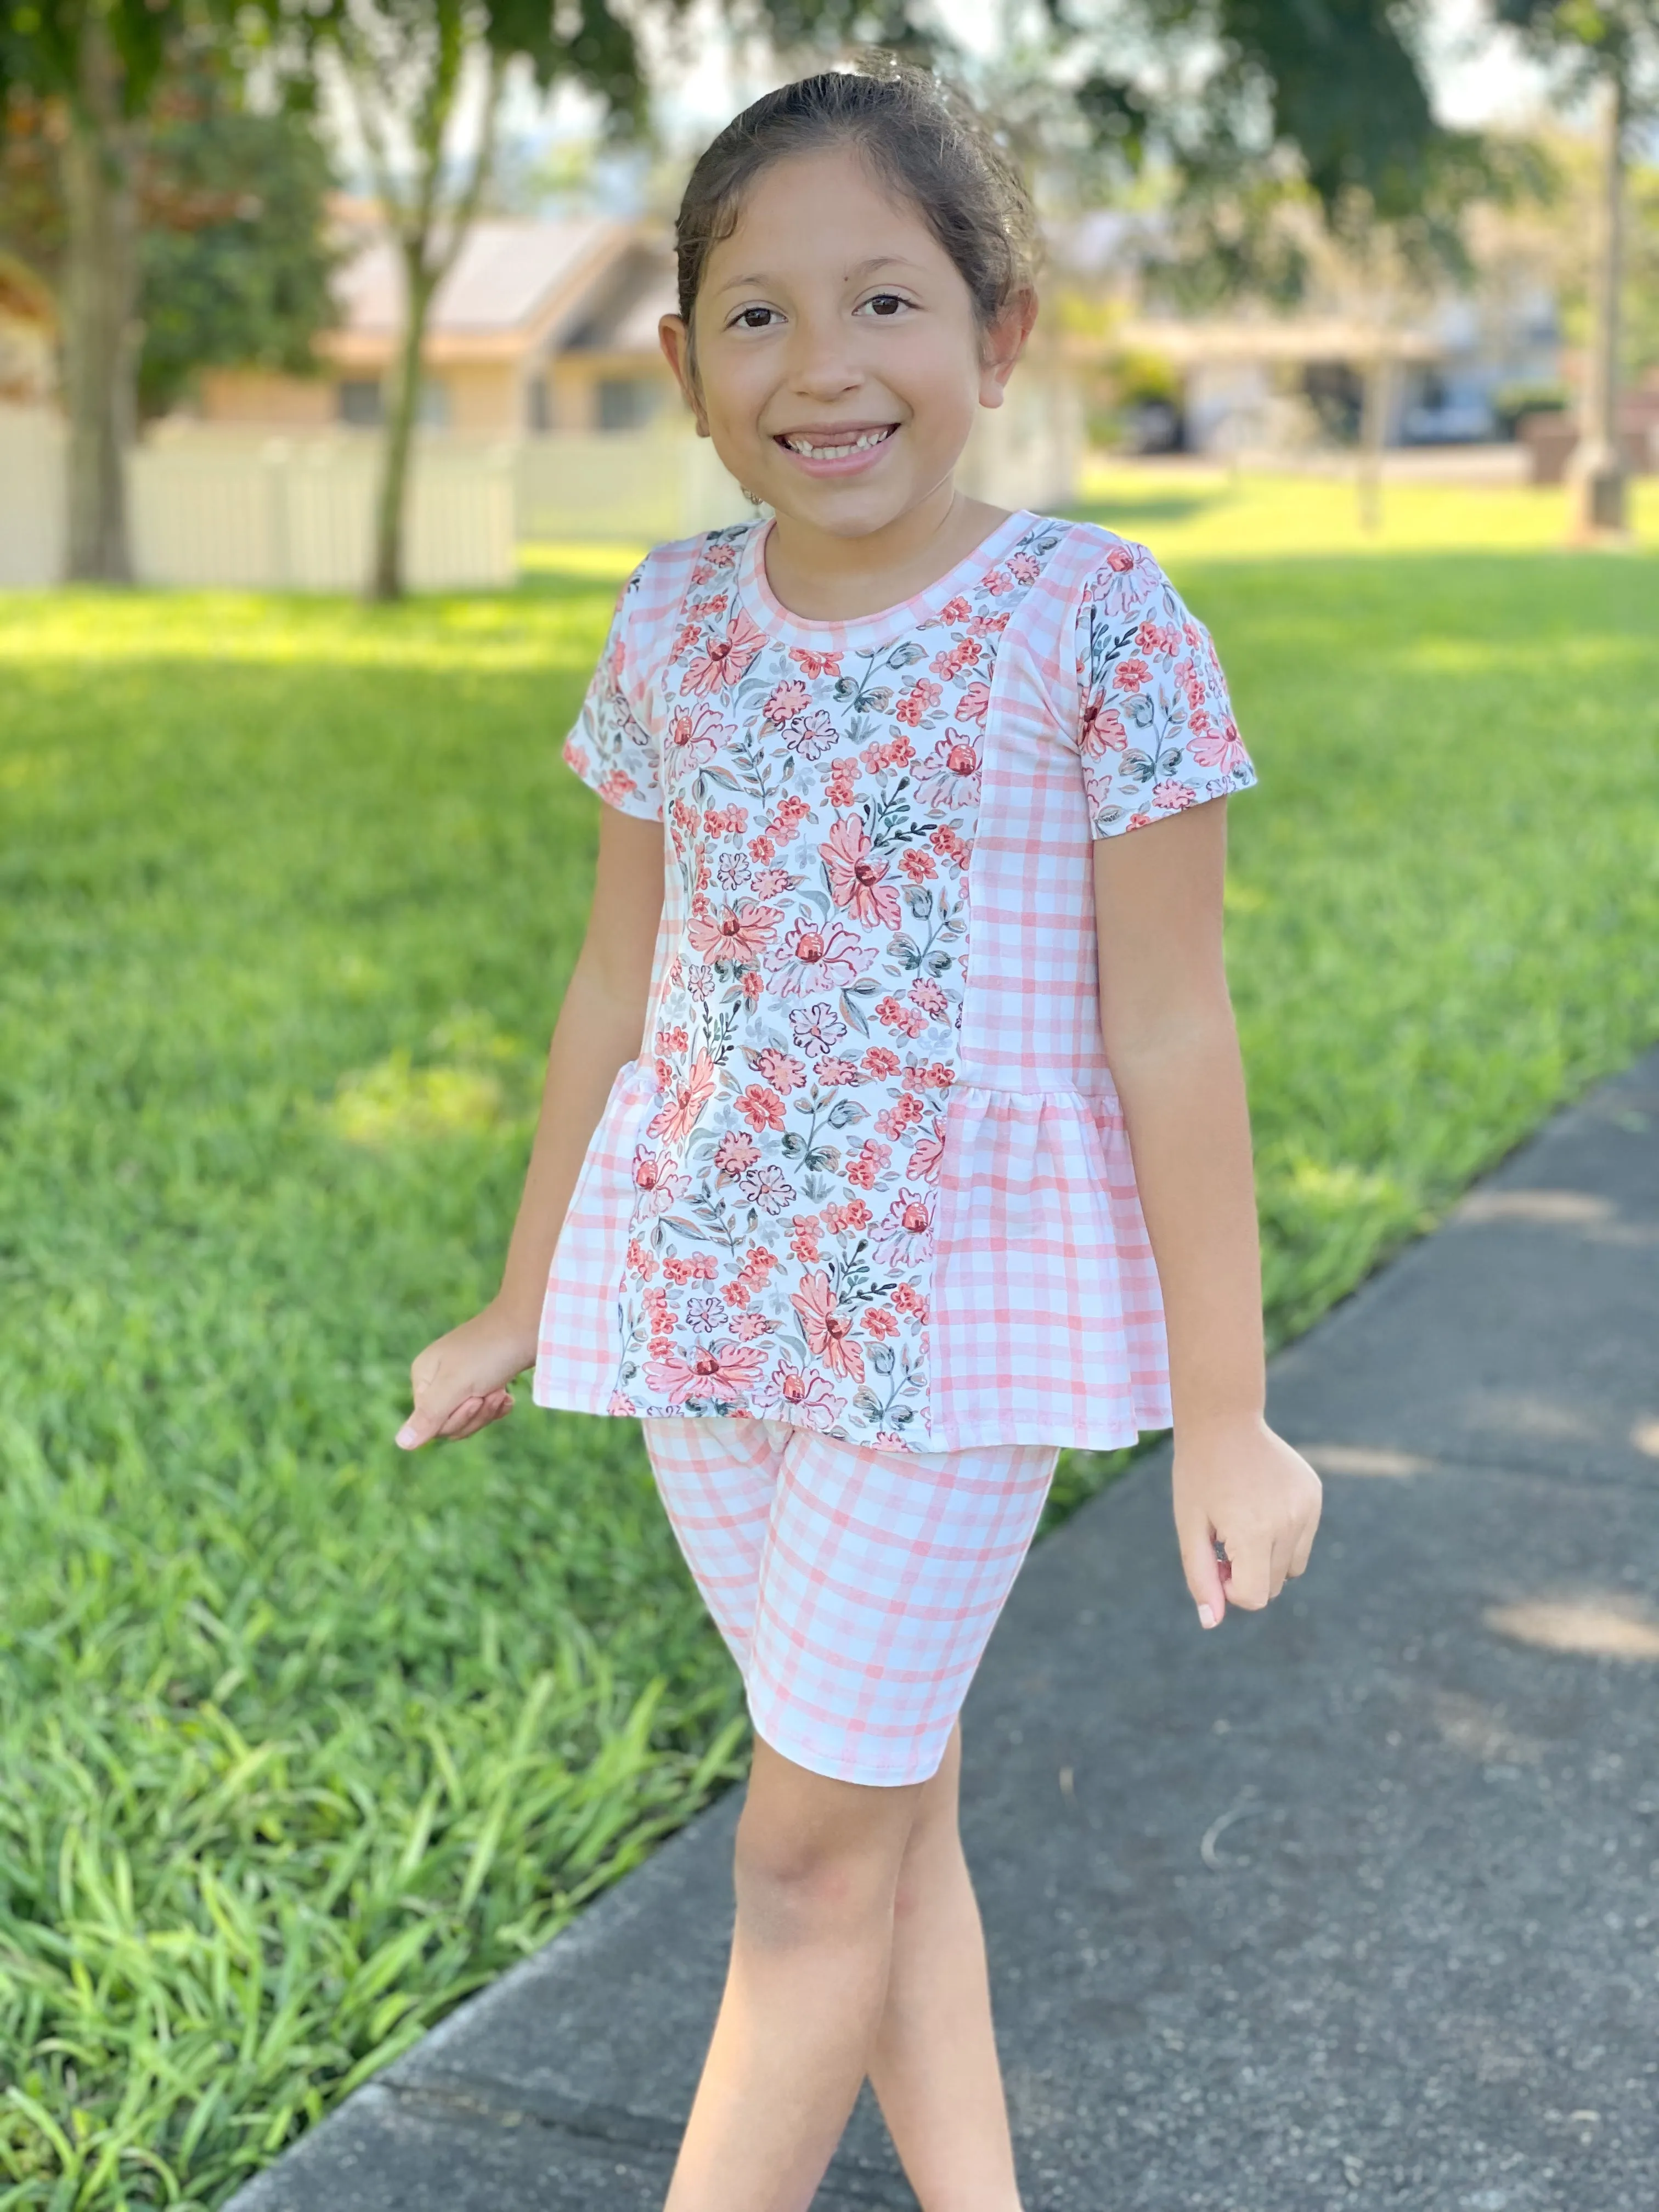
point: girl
(910, 880)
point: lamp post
(1598, 467)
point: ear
(674, 337)
(1005, 342)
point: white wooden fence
(237, 508)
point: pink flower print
(879, 1321)
(815, 664)
(907, 1298)
(656, 1181)
(673, 1038)
(1023, 569)
(857, 879)
(1141, 821)
(975, 702)
(829, 1332)
(772, 883)
(927, 1154)
(792, 812)
(730, 935)
(815, 955)
(724, 1371)
(840, 786)
(705, 1315)
(763, 849)
(938, 1075)
(904, 1235)
(835, 1074)
(855, 1215)
(735, 1150)
(996, 581)
(1154, 639)
(785, 701)
(1103, 729)
(769, 1188)
(617, 787)
(1172, 797)
(1120, 560)
(780, 1069)
(917, 863)
(752, 984)
(677, 1115)
(1223, 749)
(736, 1294)
(881, 1062)
(790, 1394)
(761, 1108)
(803, 1237)
(813, 735)
(868, 1164)
(949, 665)
(949, 846)
(897, 1014)
(725, 660)
(1130, 675)
(927, 995)
(817, 1030)
(898, 1118)
(694, 736)
(989, 625)
(955, 610)
(920, 700)
(732, 873)
(952, 776)
(747, 1327)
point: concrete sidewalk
(1353, 1904)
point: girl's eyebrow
(762, 278)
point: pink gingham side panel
(1047, 1324)
(857, 1588)
(578, 1350)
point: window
(538, 414)
(358, 402)
(626, 402)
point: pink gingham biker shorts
(856, 1588)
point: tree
(100, 62)
(233, 265)
(403, 64)
(1610, 48)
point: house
(540, 325)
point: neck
(828, 578)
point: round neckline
(886, 623)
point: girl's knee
(814, 1855)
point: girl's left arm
(1167, 1023)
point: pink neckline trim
(886, 621)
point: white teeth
(825, 451)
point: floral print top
(757, 1228)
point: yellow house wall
(482, 397)
(274, 402)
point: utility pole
(1598, 466)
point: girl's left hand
(1238, 1486)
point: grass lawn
(299, 1739)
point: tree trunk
(1598, 465)
(100, 296)
(387, 580)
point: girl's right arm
(460, 1380)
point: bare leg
(817, 1866)
(933, 2065)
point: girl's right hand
(460, 1380)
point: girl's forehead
(828, 204)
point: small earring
(752, 497)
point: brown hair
(920, 136)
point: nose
(823, 362)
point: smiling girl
(895, 1133)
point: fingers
(1304, 1542)
(1206, 1576)
(463, 1420)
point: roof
(508, 273)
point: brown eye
(754, 318)
(885, 303)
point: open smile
(837, 448)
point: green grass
(298, 1739)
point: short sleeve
(1155, 732)
(611, 748)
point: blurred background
(331, 420)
